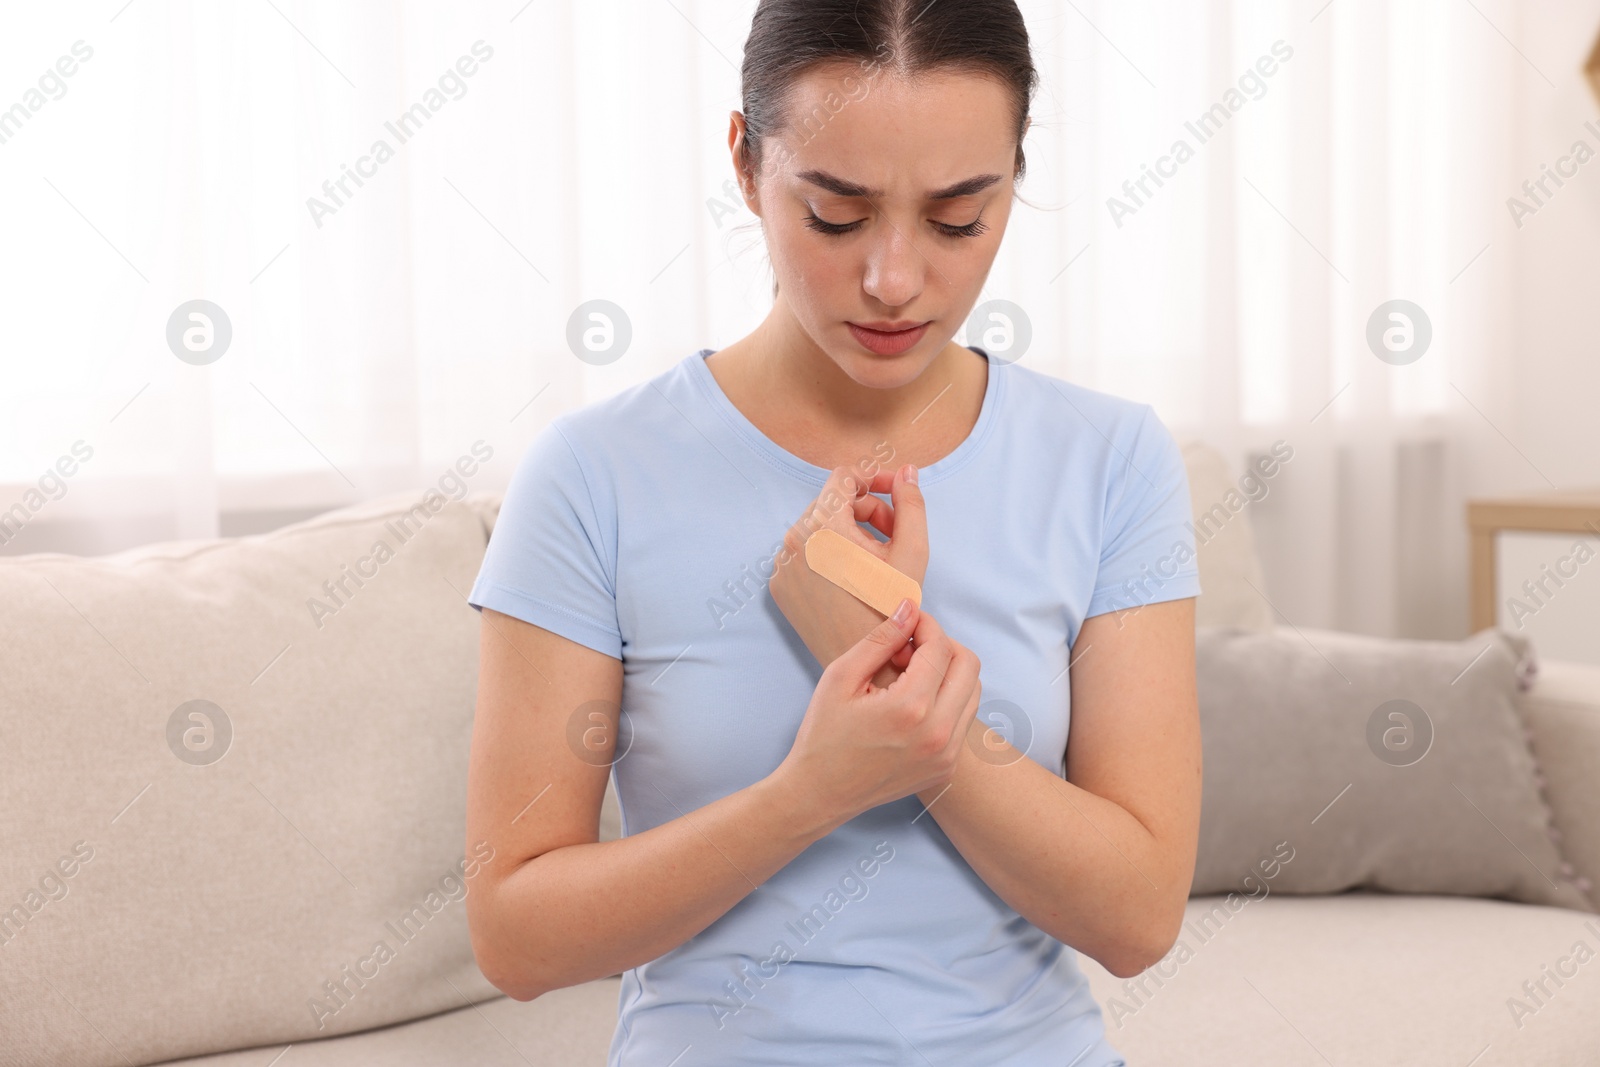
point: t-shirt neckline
(772, 451)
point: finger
(845, 500)
(867, 508)
(875, 511)
(959, 697)
(908, 551)
(964, 722)
(832, 508)
(882, 480)
(930, 661)
(856, 665)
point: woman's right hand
(861, 745)
(828, 618)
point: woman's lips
(886, 343)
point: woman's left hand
(830, 619)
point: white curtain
(562, 152)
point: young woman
(828, 856)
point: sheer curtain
(400, 207)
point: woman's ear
(736, 146)
(1026, 125)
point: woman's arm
(1102, 861)
(556, 906)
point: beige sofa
(233, 769)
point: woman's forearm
(1078, 866)
(590, 910)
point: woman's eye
(971, 229)
(834, 228)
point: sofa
(234, 776)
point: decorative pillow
(1337, 761)
(233, 770)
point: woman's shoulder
(1076, 416)
(601, 431)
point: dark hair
(910, 37)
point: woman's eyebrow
(841, 187)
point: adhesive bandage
(857, 571)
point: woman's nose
(896, 268)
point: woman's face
(884, 202)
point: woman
(828, 856)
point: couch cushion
(564, 1028)
(1231, 578)
(1399, 765)
(1563, 712)
(1363, 978)
(161, 902)
(1356, 978)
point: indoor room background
(404, 214)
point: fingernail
(911, 473)
(902, 614)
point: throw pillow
(1337, 761)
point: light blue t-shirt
(645, 525)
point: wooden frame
(1563, 511)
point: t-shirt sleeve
(551, 558)
(1147, 552)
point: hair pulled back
(907, 37)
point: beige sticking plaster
(857, 571)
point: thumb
(862, 660)
(908, 548)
